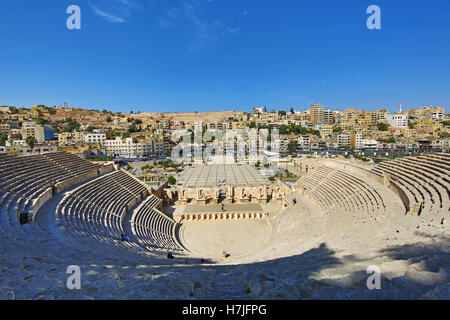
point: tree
(292, 146)
(132, 128)
(30, 141)
(292, 110)
(126, 135)
(146, 167)
(108, 119)
(382, 126)
(390, 140)
(41, 120)
(172, 180)
(284, 129)
(3, 138)
(71, 125)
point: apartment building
(38, 132)
(397, 120)
(328, 117)
(343, 140)
(94, 138)
(316, 114)
(128, 148)
(356, 140)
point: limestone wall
(106, 168)
(39, 202)
(234, 194)
(63, 185)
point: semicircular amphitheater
(232, 233)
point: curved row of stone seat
(421, 190)
(23, 181)
(71, 162)
(39, 239)
(97, 208)
(337, 191)
(152, 227)
(289, 218)
(424, 179)
(38, 173)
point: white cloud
(202, 32)
(107, 16)
(115, 11)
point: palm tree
(30, 141)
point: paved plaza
(223, 174)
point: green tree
(172, 180)
(30, 141)
(284, 129)
(390, 140)
(382, 126)
(71, 125)
(41, 120)
(3, 138)
(292, 146)
(132, 128)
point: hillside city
(142, 135)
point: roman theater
(231, 232)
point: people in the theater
(124, 237)
(225, 255)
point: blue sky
(200, 55)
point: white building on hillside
(94, 138)
(397, 120)
(128, 149)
